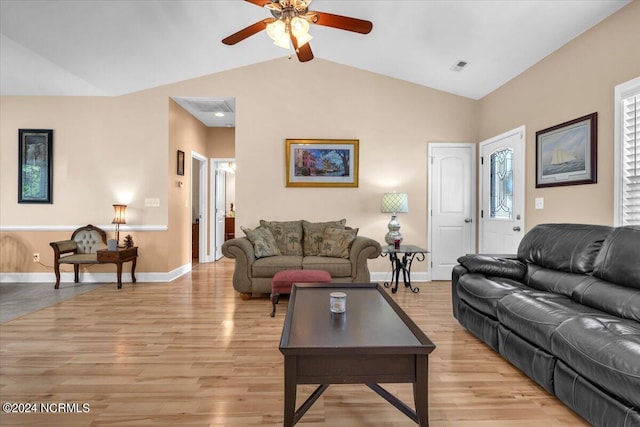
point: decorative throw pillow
(337, 242)
(264, 244)
(288, 235)
(313, 234)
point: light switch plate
(539, 202)
(152, 203)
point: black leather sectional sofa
(566, 312)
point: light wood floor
(191, 353)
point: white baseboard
(91, 277)
(151, 277)
(422, 276)
(174, 274)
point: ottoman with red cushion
(283, 280)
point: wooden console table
(118, 257)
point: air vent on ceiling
(210, 105)
(459, 65)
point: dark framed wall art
(567, 154)
(35, 165)
(180, 165)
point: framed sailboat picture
(566, 154)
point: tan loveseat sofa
(329, 246)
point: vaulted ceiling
(117, 47)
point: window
(502, 184)
(627, 153)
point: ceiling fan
(290, 25)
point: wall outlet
(36, 257)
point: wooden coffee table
(373, 342)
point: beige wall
(136, 142)
(17, 247)
(188, 134)
(392, 119)
(107, 149)
(576, 80)
(103, 142)
(104, 152)
(221, 143)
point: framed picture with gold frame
(321, 162)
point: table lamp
(394, 203)
(118, 219)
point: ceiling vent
(459, 65)
(210, 105)
(212, 112)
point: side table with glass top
(401, 261)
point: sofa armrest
(64, 247)
(498, 266)
(242, 251)
(456, 273)
(239, 248)
(363, 248)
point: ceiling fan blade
(342, 22)
(261, 3)
(304, 52)
(247, 32)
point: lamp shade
(276, 29)
(118, 217)
(394, 203)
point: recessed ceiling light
(219, 114)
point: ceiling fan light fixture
(299, 27)
(282, 41)
(304, 39)
(276, 29)
(289, 25)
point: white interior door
(452, 175)
(502, 189)
(220, 206)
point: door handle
(516, 228)
(468, 220)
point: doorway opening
(198, 207)
(223, 184)
(212, 192)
